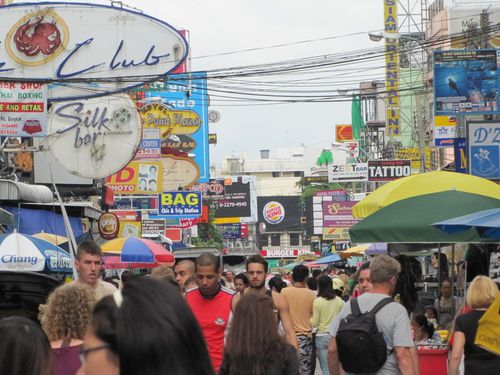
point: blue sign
(460, 147)
(466, 82)
(230, 231)
(484, 149)
(185, 204)
(189, 92)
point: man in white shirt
(89, 265)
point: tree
(208, 234)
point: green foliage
(208, 235)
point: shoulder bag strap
(381, 304)
(355, 307)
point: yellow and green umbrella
(422, 184)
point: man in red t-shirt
(211, 305)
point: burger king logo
(273, 212)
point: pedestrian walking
(211, 305)
(254, 346)
(24, 348)
(480, 295)
(257, 269)
(89, 265)
(65, 319)
(301, 299)
(325, 308)
(147, 329)
(391, 321)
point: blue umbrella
(486, 222)
(20, 252)
(328, 259)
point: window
(306, 240)
(275, 239)
(276, 174)
(294, 239)
(264, 240)
(298, 174)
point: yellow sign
(428, 159)
(336, 234)
(130, 229)
(159, 116)
(144, 177)
(393, 124)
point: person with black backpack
(372, 333)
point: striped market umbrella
(137, 250)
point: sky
(219, 28)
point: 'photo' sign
(23, 109)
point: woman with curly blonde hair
(65, 319)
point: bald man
(183, 271)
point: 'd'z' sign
(180, 204)
(388, 170)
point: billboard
(466, 82)
(138, 177)
(23, 109)
(62, 42)
(484, 149)
(338, 214)
(348, 172)
(184, 115)
(280, 213)
(182, 204)
(388, 170)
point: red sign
(343, 133)
(175, 234)
(244, 230)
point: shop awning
(19, 191)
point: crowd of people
(199, 319)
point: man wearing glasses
(88, 264)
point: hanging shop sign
(94, 138)
(466, 82)
(388, 170)
(184, 112)
(179, 172)
(153, 228)
(343, 133)
(393, 117)
(180, 204)
(23, 109)
(460, 153)
(484, 149)
(348, 172)
(144, 177)
(229, 231)
(53, 41)
(444, 131)
(338, 214)
(150, 147)
(109, 226)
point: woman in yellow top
(325, 308)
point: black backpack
(360, 345)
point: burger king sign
(273, 212)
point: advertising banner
(183, 124)
(130, 229)
(348, 172)
(484, 149)
(149, 148)
(152, 228)
(231, 197)
(336, 234)
(343, 133)
(229, 231)
(444, 131)
(388, 170)
(466, 82)
(460, 151)
(280, 213)
(141, 203)
(413, 154)
(285, 253)
(393, 124)
(138, 177)
(338, 214)
(23, 109)
(180, 204)
(63, 42)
